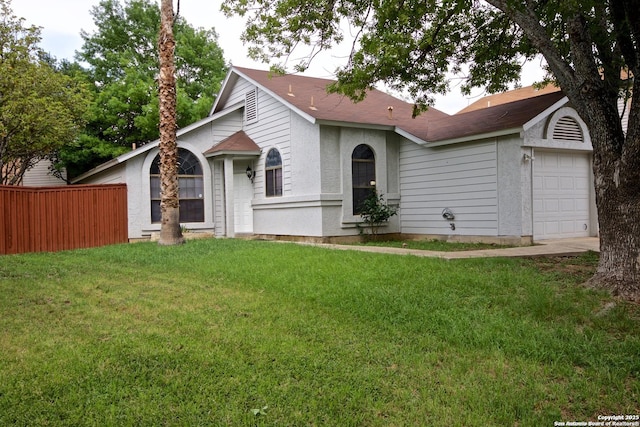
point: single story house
(279, 157)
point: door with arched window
(363, 175)
(191, 186)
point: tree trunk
(619, 265)
(617, 189)
(616, 164)
(593, 91)
(170, 233)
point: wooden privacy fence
(40, 219)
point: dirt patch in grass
(432, 245)
(577, 269)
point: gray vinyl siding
(113, 175)
(272, 130)
(462, 178)
(225, 127)
(239, 91)
(40, 176)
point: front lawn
(243, 333)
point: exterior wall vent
(568, 129)
(251, 106)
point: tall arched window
(363, 175)
(190, 182)
(273, 173)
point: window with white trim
(273, 173)
(363, 175)
(191, 188)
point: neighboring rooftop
(509, 96)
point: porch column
(228, 196)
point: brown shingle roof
(239, 143)
(335, 107)
(486, 120)
(431, 126)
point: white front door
(561, 190)
(242, 211)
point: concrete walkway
(572, 246)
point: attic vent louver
(251, 106)
(568, 129)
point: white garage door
(561, 202)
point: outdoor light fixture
(448, 214)
(250, 173)
(528, 157)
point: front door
(242, 196)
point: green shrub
(375, 212)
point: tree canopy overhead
(408, 45)
(591, 47)
(40, 109)
(122, 58)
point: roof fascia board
(233, 153)
(225, 84)
(544, 114)
(354, 125)
(181, 132)
(151, 145)
(106, 165)
(209, 119)
(411, 137)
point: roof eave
(100, 168)
(545, 113)
(233, 153)
(220, 96)
(474, 137)
(355, 125)
(151, 145)
(411, 137)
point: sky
(63, 20)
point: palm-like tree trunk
(170, 233)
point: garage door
(561, 196)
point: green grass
(215, 331)
(432, 245)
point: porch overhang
(237, 145)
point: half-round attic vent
(568, 129)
